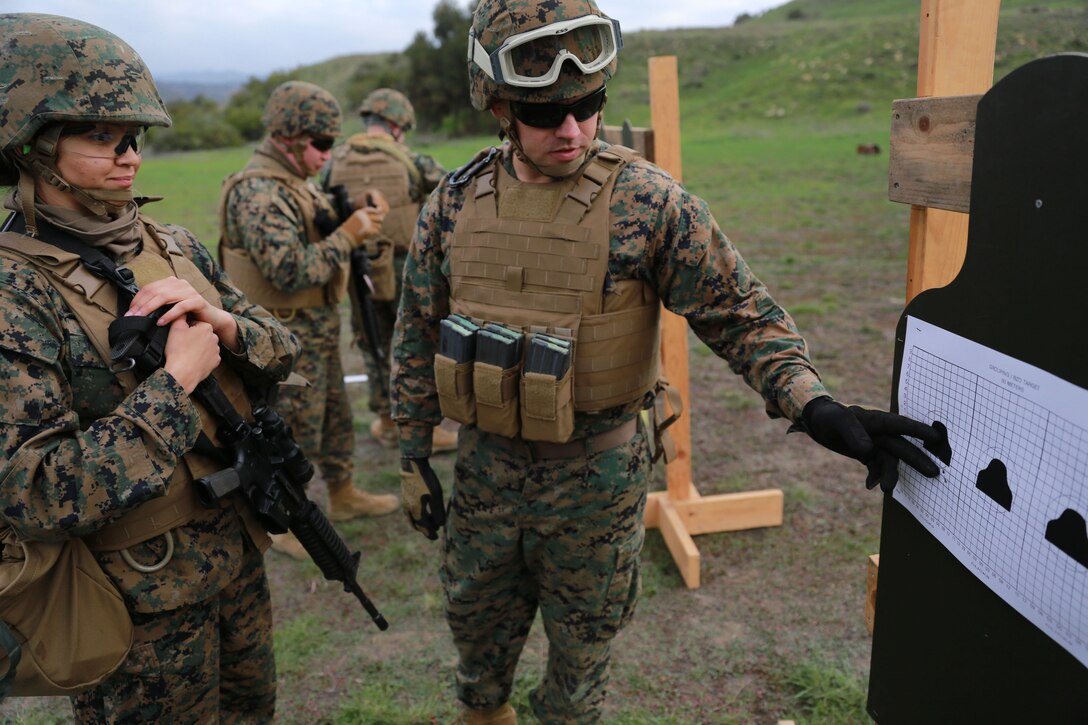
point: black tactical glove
(421, 496)
(874, 437)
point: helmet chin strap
(293, 150)
(39, 162)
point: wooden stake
(958, 40)
(679, 511)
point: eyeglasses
(322, 143)
(552, 115)
(535, 58)
(104, 141)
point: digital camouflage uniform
(384, 106)
(76, 453)
(262, 216)
(564, 535)
(546, 510)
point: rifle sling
(179, 504)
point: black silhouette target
(946, 646)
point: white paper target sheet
(1012, 503)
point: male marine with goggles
(530, 314)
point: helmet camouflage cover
(496, 20)
(392, 105)
(296, 108)
(56, 69)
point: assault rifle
(360, 280)
(268, 467)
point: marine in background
(282, 243)
(377, 157)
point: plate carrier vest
(377, 161)
(93, 301)
(239, 264)
(534, 257)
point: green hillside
(771, 112)
(808, 60)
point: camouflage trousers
(386, 313)
(319, 416)
(208, 662)
(560, 536)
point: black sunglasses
(322, 143)
(551, 115)
(133, 140)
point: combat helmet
(539, 51)
(390, 105)
(297, 108)
(56, 70)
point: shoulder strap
(43, 250)
(463, 175)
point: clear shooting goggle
(534, 58)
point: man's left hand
(874, 437)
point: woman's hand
(192, 352)
(187, 304)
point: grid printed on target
(995, 535)
(934, 390)
(1065, 463)
(1046, 458)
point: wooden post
(958, 40)
(956, 48)
(680, 511)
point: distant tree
(437, 79)
(246, 106)
(387, 72)
(197, 124)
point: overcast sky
(256, 37)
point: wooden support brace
(932, 150)
(870, 589)
(661, 510)
(680, 512)
(956, 49)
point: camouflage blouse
(661, 234)
(75, 451)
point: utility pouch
(547, 407)
(382, 273)
(336, 288)
(496, 392)
(68, 623)
(454, 382)
(547, 399)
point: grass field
(812, 219)
(776, 630)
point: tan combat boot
(502, 715)
(384, 430)
(289, 545)
(443, 440)
(347, 502)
